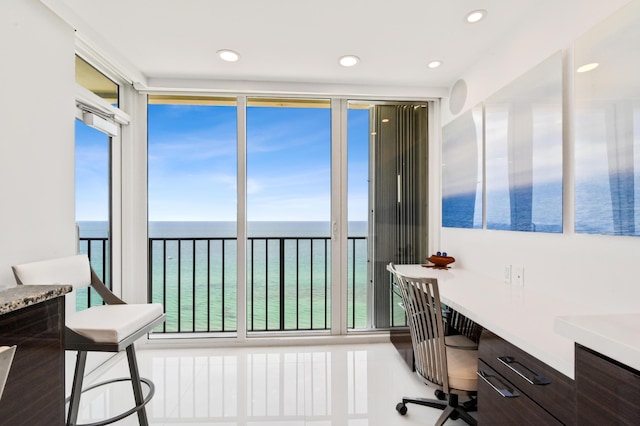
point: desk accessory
(440, 261)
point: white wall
(592, 270)
(597, 271)
(36, 135)
(527, 46)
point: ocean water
(193, 272)
(99, 229)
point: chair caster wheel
(401, 408)
(440, 395)
(454, 416)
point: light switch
(507, 274)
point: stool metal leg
(76, 389)
(137, 386)
(136, 382)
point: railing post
(89, 245)
(281, 284)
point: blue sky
(193, 164)
(92, 173)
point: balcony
(288, 282)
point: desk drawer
(546, 386)
(500, 402)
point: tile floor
(354, 385)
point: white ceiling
(301, 40)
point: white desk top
(615, 335)
(521, 315)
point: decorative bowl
(441, 261)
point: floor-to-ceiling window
(93, 211)
(387, 204)
(282, 152)
(95, 132)
(192, 210)
(359, 135)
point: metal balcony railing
(288, 282)
(98, 251)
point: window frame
(116, 118)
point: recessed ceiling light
(588, 67)
(228, 55)
(434, 64)
(385, 120)
(348, 60)
(475, 16)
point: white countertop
(614, 335)
(521, 315)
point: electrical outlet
(517, 277)
(506, 278)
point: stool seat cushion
(113, 323)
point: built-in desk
(520, 315)
(601, 351)
(32, 318)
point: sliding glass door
(288, 214)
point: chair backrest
(421, 300)
(72, 270)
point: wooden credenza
(34, 392)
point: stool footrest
(152, 390)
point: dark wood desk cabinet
(34, 393)
(608, 392)
(519, 389)
(401, 339)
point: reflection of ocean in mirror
(595, 212)
(461, 211)
(545, 210)
(598, 213)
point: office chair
(447, 362)
(112, 327)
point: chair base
(138, 407)
(451, 408)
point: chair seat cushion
(460, 341)
(462, 362)
(462, 365)
(113, 323)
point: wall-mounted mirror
(462, 171)
(607, 131)
(523, 142)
